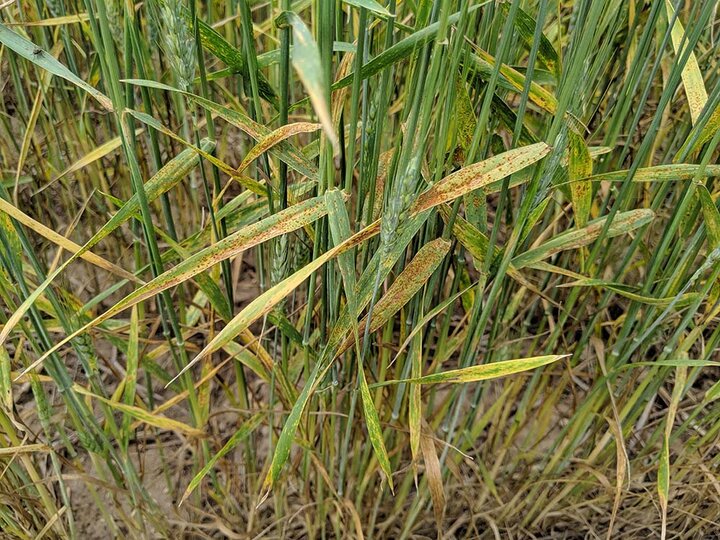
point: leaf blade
(691, 75)
(306, 61)
(28, 50)
(484, 372)
(480, 174)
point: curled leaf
(306, 60)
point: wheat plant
(359, 269)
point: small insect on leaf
(30, 51)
